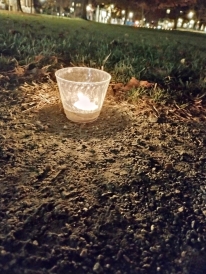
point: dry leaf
(126, 88)
(145, 84)
(44, 69)
(117, 86)
(54, 59)
(19, 71)
(38, 58)
(133, 83)
(4, 77)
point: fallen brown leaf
(54, 59)
(133, 83)
(118, 86)
(145, 84)
(38, 58)
(19, 70)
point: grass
(174, 60)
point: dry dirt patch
(125, 194)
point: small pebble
(181, 209)
(83, 252)
(97, 267)
(35, 242)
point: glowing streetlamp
(89, 8)
(179, 22)
(191, 23)
(190, 14)
(131, 15)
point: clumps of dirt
(125, 194)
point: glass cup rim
(83, 68)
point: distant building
(2, 4)
(11, 5)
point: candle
(84, 103)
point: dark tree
(18, 3)
(84, 9)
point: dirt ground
(125, 194)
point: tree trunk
(175, 23)
(142, 14)
(84, 9)
(36, 5)
(177, 9)
(31, 6)
(19, 8)
(126, 15)
(60, 8)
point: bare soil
(125, 194)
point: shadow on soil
(111, 121)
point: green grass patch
(174, 60)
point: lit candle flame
(84, 103)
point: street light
(131, 15)
(89, 8)
(190, 14)
(179, 22)
(191, 23)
